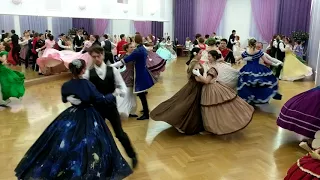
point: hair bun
(77, 63)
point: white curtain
(314, 40)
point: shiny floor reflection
(261, 151)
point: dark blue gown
(257, 84)
(77, 145)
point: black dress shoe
(143, 117)
(134, 162)
(133, 115)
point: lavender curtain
(143, 27)
(208, 15)
(265, 17)
(37, 23)
(6, 23)
(61, 25)
(85, 23)
(100, 26)
(294, 15)
(183, 11)
(157, 29)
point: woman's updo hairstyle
(211, 42)
(252, 43)
(76, 67)
(289, 40)
(194, 52)
(126, 46)
(50, 36)
(215, 54)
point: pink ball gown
(52, 58)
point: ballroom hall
(160, 90)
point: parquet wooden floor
(262, 151)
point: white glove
(73, 100)
(120, 93)
(196, 72)
(247, 58)
(117, 64)
(37, 50)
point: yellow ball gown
(293, 68)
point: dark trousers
(144, 102)
(78, 49)
(28, 55)
(35, 67)
(112, 114)
(15, 54)
(108, 56)
(278, 70)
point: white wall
(237, 16)
(121, 27)
(104, 9)
(168, 26)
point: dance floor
(29, 73)
(260, 151)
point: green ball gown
(12, 82)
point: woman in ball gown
(24, 45)
(293, 68)
(223, 112)
(226, 74)
(182, 110)
(256, 84)
(11, 82)
(78, 143)
(53, 58)
(155, 63)
(127, 106)
(163, 52)
(301, 113)
(307, 167)
(10, 59)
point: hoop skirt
(257, 84)
(76, 145)
(223, 112)
(300, 118)
(306, 168)
(182, 110)
(54, 58)
(294, 69)
(12, 82)
(155, 64)
(227, 75)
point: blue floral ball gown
(257, 84)
(77, 145)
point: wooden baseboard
(45, 79)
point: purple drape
(37, 23)
(61, 25)
(100, 26)
(265, 17)
(157, 29)
(143, 27)
(294, 15)
(6, 23)
(208, 15)
(85, 23)
(183, 11)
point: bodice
(49, 44)
(255, 57)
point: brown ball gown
(223, 112)
(183, 110)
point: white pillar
(16, 21)
(317, 71)
(49, 21)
